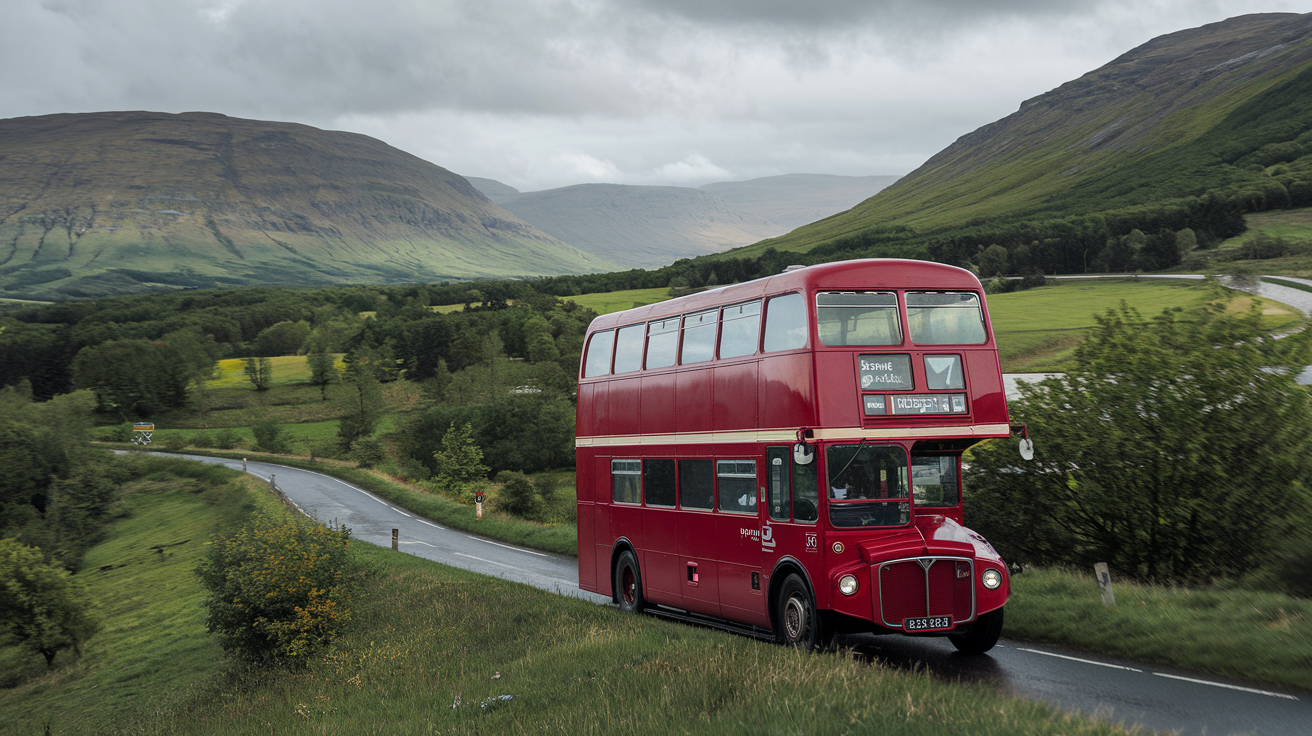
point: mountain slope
(645, 226)
(104, 203)
(1225, 108)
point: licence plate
(927, 623)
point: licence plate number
(927, 623)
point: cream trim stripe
(790, 435)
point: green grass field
(1292, 225)
(427, 637)
(618, 301)
(1037, 329)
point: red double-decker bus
(784, 455)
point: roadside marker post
(396, 537)
(478, 505)
(1105, 583)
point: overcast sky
(546, 93)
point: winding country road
(1116, 690)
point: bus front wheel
(799, 624)
(628, 583)
(981, 637)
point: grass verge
(560, 538)
(1291, 284)
(1251, 635)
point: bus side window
(737, 481)
(778, 489)
(658, 482)
(628, 348)
(598, 360)
(785, 323)
(806, 493)
(626, 481)
(696, 484)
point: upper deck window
(858, 318)
(698, 336)
(628, 348)
(662, 342)
(742, 328)
(945, 318)
(598, 360)
(785, 323)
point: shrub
(202, 440)
(117, 433)
(519, 496)
(174, 442)
(368, 452)
(269, 437)
(280, 589)
(226, 439)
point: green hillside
(109, 203)
(1193, 129)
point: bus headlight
(847, 585)
(992, 579)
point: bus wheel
(981, 637)
(799, 624)
(628, 583)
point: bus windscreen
(868, 486)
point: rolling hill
(646, 226)
(1191, 129)
(119, 202)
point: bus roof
(862, 274)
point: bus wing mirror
(1026, 448)
(803, 453)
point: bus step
(754, 632)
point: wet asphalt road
(1119, 691)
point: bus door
(698, 546)
(661, 573)
(739, 540)
(792, 508)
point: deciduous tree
(1178, 447)
(42, 607)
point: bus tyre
(799, 624)
(981, 637)
(628, 583)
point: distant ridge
(648, 226)
(117, 202)
(1221, 111)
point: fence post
(1105, 583)
(396, 533)
(243, 465)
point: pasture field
(618, 301)
(287, 369)
(1037, 329)
(433, 649)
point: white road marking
(1077, 659)
(399, 511)
(517, 549)
(1232, 687)
(480, 559)
(435, 526)
(426, 544)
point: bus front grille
(926, 586)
